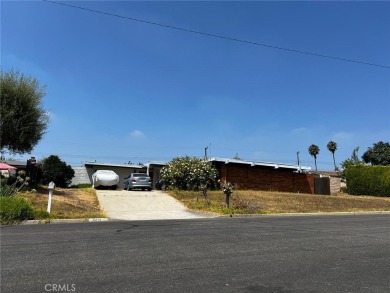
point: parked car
(105, 178)
(138, 180)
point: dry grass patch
(67, 203)
(263, 202)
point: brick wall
(303, 183)
(265, 178)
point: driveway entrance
(143, 205)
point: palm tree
(332, 147)
(314, 150)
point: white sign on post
(52, 186)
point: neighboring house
(21, 165)
(30, 166)
(264, 176)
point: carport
(153, 169)
(123, 170)
(84, 174)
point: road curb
(65, 221)
(306, 214)
(96, 220)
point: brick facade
(265, 178)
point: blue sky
(121, 90)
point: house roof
(17, 164)
(158, 163)
(113, 165)
(214, 159)
(263, 164)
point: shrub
(8, 190)
(41, 215)
(189, 173)
(19, 182)
(368, 180)
(53, 169)
(14, 210)
(227, 189)
(11, 180)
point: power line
(219, 36)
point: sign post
(52, 186)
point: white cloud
(137, 134)
(343, 136)
(300, 130)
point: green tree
(352, 161)
(314, 150)
(23, 121)
(332, 147)
(189, 173)
(379, 154)
(53, 169)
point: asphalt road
(263, 254)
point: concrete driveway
(143, 205)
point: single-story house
(243, 174)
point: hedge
(14, 210)
(368, 180)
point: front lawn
(67, 203)
(263, 202)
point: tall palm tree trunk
(334, 162)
